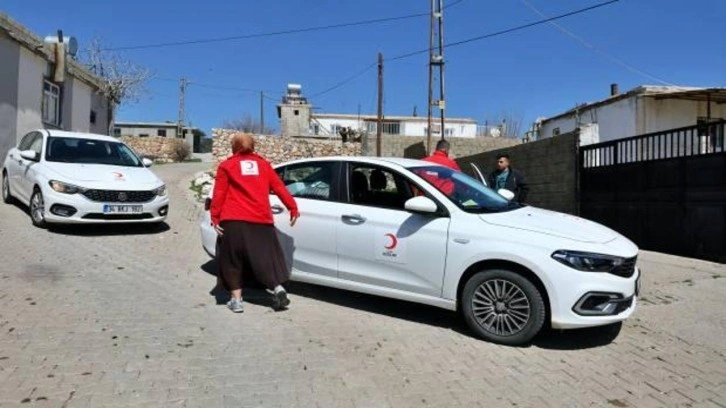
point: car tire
(7, 196)
(37, 209)
(503, 307)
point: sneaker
(235, 305)
(280, 300)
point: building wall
(615, 120)
(99, 104)
(327, 124)
(292, 124)
(150, 131)
(664, 114)
(408, 127)
(415, 147)
(9, 68)
(418, 128)
(32, 69)
(549, 165)
(80, 106)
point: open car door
(479, 174)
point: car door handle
(354, 219)
(276, 209)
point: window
(88, 151)
(334, 129)
(161, 132)
(556, 131)
(308, 180)
(51, 103)
(143, 135)
(37, 144)
(378, 187)
(117, 132)
(391, 128)
(93, 117)
(26, 141)
(297, 112)
(371, 126)
(449, 132)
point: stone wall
(281, 149)
(550, 167)
(414, 147)
(158, 149)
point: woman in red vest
(242, 217)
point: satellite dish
(495, 132)
(70, 42)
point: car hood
(552, 223)
(105, 176)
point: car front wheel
(7, 197)
(503, 307)
(37, 209)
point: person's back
(441, 156)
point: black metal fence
(666, 191)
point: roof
(32, 42)
(80, 135)
(387, 118)
(652, 91)
(150, 124)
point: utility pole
(379, 124)
(182, 96)
(262, 112)
(436, 61)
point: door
(27, 168)
(310, 246)
(13, 165)
(381, 244)
(479, 174)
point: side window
(37, 144)
(308, 180)
(26, 141)
(378, 187)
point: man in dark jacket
(508, 178)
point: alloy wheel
(501, 307)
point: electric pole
(379, 124)
(436, 61)
(182, 95)
(262, 112)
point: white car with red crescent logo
(382, 226)
(71, 177)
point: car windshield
(467, 193)
(89, 151)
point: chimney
(614, 89)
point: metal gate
(666, 191)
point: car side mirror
(31, 155)
(146, 162)
(508, 194)
(421, 204)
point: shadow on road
(95, 230)
(550, 339)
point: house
(642, 110)
(191, 135)
(298, 119)
(43, 86)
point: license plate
(122, 209)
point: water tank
(70, 42)
(294, 88)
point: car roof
(78, 135)
(396, 161)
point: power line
(470, 40)
(274, 33)
(596, 49)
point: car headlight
(160, 191)
(65, 188)
(588, 262)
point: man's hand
(293, 218)
(220, 230)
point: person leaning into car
(242, 216)
(505, 177)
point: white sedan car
(69, 177)
(420, 232)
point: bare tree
(123, 81)
(510, 122)
(247, 125)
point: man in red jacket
(441, 156)
(242, 217)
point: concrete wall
(292, 124)
(549, 165)
(9, 68)
(99, 104)
(32, 69)
(80, 108)
(415, 147)
(615, 120)
(664, 114)
(463, 130)
(149, 131)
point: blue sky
(535, 72)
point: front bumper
(593, 299)
(77, 209)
